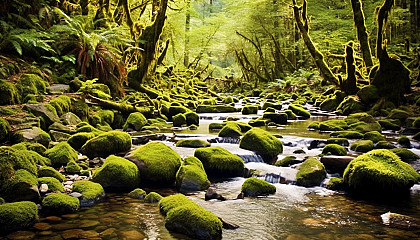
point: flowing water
(292, 213)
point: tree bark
(122, 107)
(324, 70)
(187, 35)
(362, 36)
(349, 85)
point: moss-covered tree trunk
(392, 77)
(349, 85)
(302, 24)
(362, 36)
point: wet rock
(287, 161)
(60, 203)
(218, 161)
(52, 219)
(336, 164)
(299, 151)
(92, 193)
(253, 187)
(108, 233)
(400, 221)
(43, 188)
(152, 197)
(72, 234)
(21, 235)
(140, 140)
(228, 225)
(261, 142)
(17, 215)
(317, 144)
(42, 226)
(41, 110)
(191, 176)
(132, 235)
(212, 194)
(88, 223)
(76, 194)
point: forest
(209, 119)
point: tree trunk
(362, 36)
(122, 107)
(349, 85)
(324, 70)
(187, 35)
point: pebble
(43, 188)
(52, 219)
(76, 194)
(132, 235)
(72, 233)
(110, 232)
(71, 215)
(68, 183)
(88, 223)
(21, 235)
(42, 226)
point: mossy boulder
(9, 94)
(157, 163)
(137, 193)
(334, 149)
(404, 141)
(46, 171)
(218, 161)
(184, 216)
(286, 161)
(36, 147)
(77, 140)
(368, 94)
(192, 143)
(61, 154)
(379, 172)
(253, 187)
(175, 110)
(152, 197)
(388, 125)
(399, 114)
(91, 192)
(332, 125)
(405, 154)
(278, 118)
(374, 136)
(249, 109)
(36, 158)
(335, 184)
(179, 120)
(70, 119)
(340, 141)
(61, 104)
(45, 112)
(191, 176)
(347, 134)
(54, 185)
(33, 135)
(73, 168)
(108, 143)
(364, 127)
(23, 186)
(267, 104)
(362, 146)
(299, 111)
(215, 109)
(117, 174)
(135, 121)
(384, 145)
(261, 142)
(4, 130)
(350, 105)
(31, 84)
(192, 118)
(11, 159)
(17, 215)
(234, 129)
(416, 123)
(60, 203)
(311, 173)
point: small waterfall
(224, 140)
(272, 178)
(251, 158)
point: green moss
(61, 154)
(4, 130)
(404, 141)
(262, 142)
(278, 118)
(231, 129)
(17, 215)
(2, 201)
(86, 127)
(388, 125)
(16, 159)
(399, 114)
(258, 122)
(137, 193)
(36, 147)
(50, 172)
(33, 135)
(286, 161)
(249, 109)
(191, 176)
(254, 187)
(347, 134)
(77, 140)
(374, 136)
(339, 141)
(9, 94)
(362, 146)
(21, 187)
(311, 173)
(350, 105)
(334, 149)
(152, 197)
(314, 125)
(158, 163)
(216, 126)
(117, 174)
(290, 114)
(228, 100)
(220, 162)
(135, 121)
(61, 104)
(215, 109)
(108, 143)
(53, 184)
(384, 145)
(179, 120)
(299, 111)
(80, 108)
(272, 105)
(73, 168)
(89, 190)
(379, 171)
(31, 84)
(175, 110)
(185, 216)
(35, 157)
(60, 203)
(405, 154)
(192, 143)
(192, 118)
(335, 184)
(416, 123)
(364, 127)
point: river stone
(42, 226)
(58, 89)
(261, 142)
(72, 234)
(21, 235)
(400, 221)
(59, 136)
(34, 135)
(40, 110)
(311, 173)
(336, 164)
(43, 188)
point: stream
(293, 212)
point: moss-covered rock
(191, 176)
(77, 140)
(333, 125)
(135, 121)
(231, 129)
(218, 161)
(404, 141)
(91, 192)
(374, 136)
(61, 104)
(261, 142)
(152, 197)
(117, 174)
(216, 126)
(334, 149)
(61, 154)
(364, 127)
(388, 125)
(80, 108)
(299, 111)
(70, 119)
(15, 159)
(350, 105)
(253, 187)
(399, 114)
(276, 106)
(36, 147)
(186, 217)
(192, 118)
(23, 186)
(347, 134)
(35, 157)
(9, 94)
(50, 172)
(60, 203)
(311, 173)
(17, 215)
(73, 168)
(31, 84)
(416, 123)
(215, 109)
(179, 120)
(336, 184)
(405, 154)
(362, 146)
(46, 113)
(53, 184)
(290, 114)
(340, 141)
(192, 143)
(249, 109)
(379, 172)
(33, 135)
(278, 118)
(286, 161)
(258, 122)
(157, 163)
(137, 193)
(4, 130)
(108, 143)
(368, 94)
(384, 145)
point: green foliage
(254, 187)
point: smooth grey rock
(58, 89)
